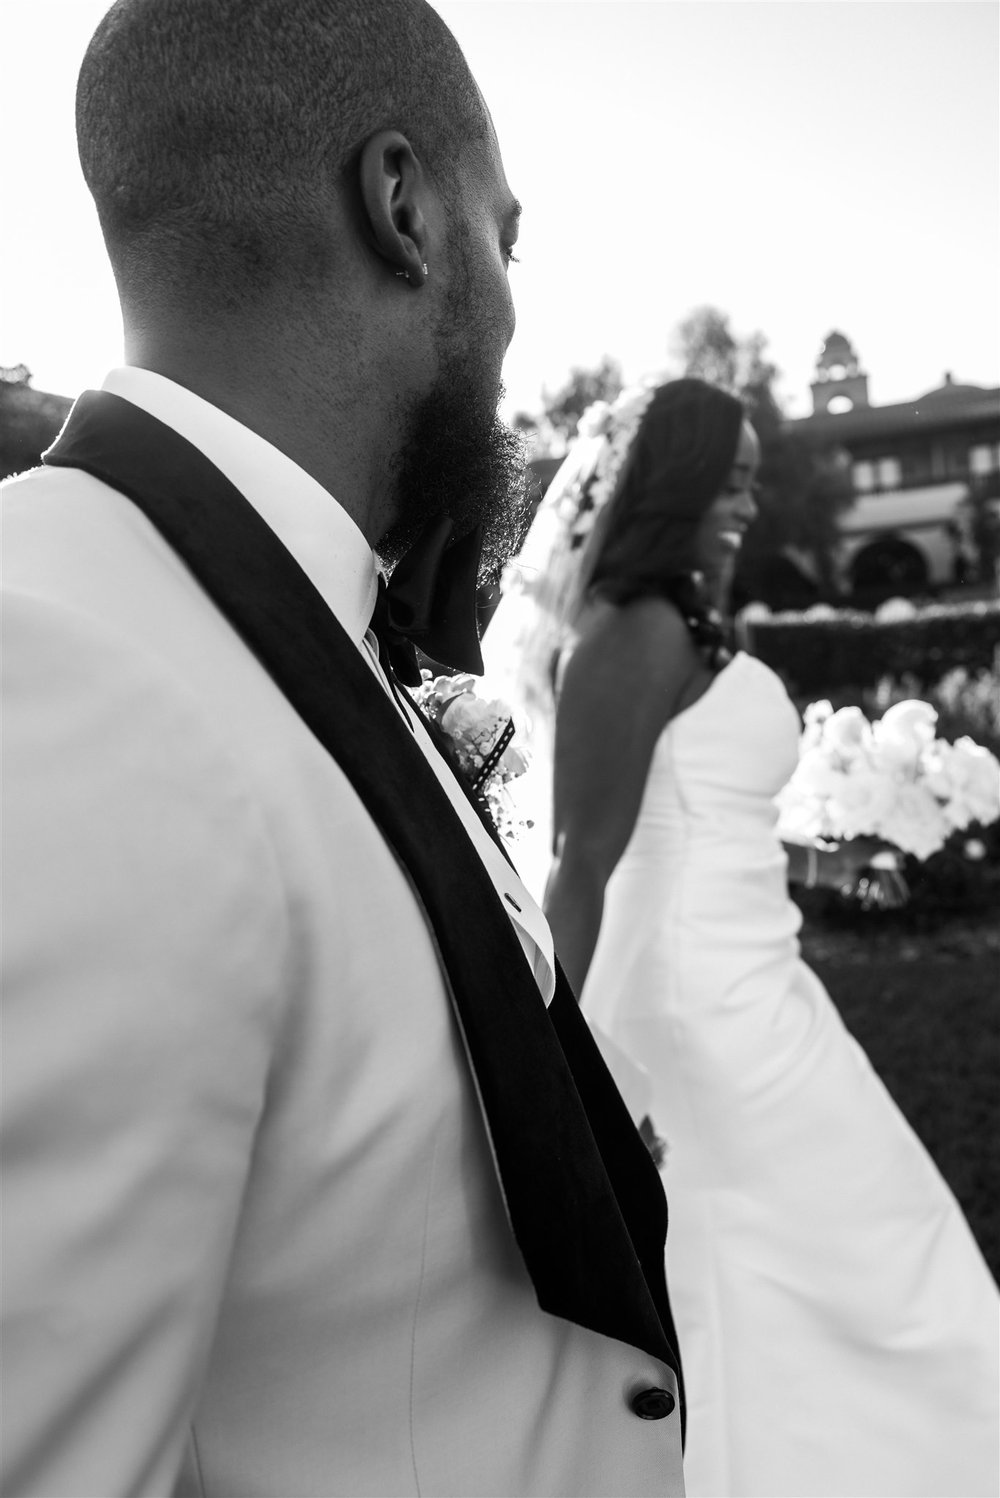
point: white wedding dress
(838, 1326)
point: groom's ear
(394, 190)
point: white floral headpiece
(616, 424)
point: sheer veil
(542, 590)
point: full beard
(461, 461)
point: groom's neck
(299, 398)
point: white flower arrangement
(891, 779)
(483, 737)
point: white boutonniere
(484, 740)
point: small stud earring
(399, 273)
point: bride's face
(734, 509)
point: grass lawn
(926, 1008)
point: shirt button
(653, 1404)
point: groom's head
(327, 167)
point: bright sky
(802, 164)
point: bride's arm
(831, 865)
(620, 689)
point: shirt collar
(305, 517)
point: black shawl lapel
(584, 1199)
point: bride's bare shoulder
(638, 660)
(649, 630)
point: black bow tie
(429, 604)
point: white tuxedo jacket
(253, 1238)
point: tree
(563, 409)
(706, 347)
(788, 558)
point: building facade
(926, 475)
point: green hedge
(818, 657)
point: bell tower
(840, 384)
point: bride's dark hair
(677, 465)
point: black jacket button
(653, 1404)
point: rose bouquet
(891, 779)
(482, 735)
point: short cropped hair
(678, 464)
(212, 131)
